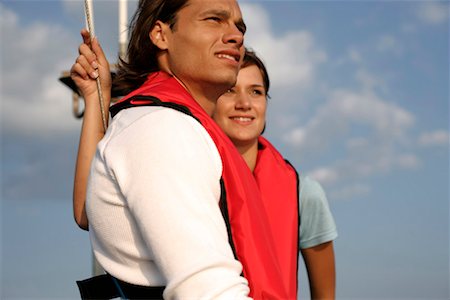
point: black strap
(140, 100)
(298, 212)
(224, 210)
(103, 287)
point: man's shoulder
(152, 114)
(150, 119)
(157, 128)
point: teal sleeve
(317, 225)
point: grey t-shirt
(317, 225)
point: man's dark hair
(141, 53)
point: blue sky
(360, 101)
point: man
(162, 182)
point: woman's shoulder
(311, 189)
(317, 224)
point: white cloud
(324, 175)
(432, 12)
(292, 57)
(33, 57)
(358, 132)
(346, 134)
(8, 17)
(354, 55)
(408, 161)
(434, 138)
(370, 160)
(356, 144)
(369, 81)
(408, 28)
(73, 8)
(369, 128)
(349, 192)
(389, 43)
(102, 11)
(345, 108)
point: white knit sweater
(153, 209)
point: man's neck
(206, 94)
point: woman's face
(241, 112)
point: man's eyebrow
(216, 12)
(226, 15)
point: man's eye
(215, 19)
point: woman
(241, 113)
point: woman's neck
(250, 153)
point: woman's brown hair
(250, 59)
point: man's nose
(234, 36)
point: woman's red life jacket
(278, 182)
(241, 203)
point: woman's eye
(258, 92)
(230, 91)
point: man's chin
(230, 80)
(224, 83)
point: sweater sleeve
(168, 170)
(317, 225)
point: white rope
(90, 25)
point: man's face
(206, 45)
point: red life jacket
(278, 182)
(246, 218)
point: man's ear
(158, 35)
